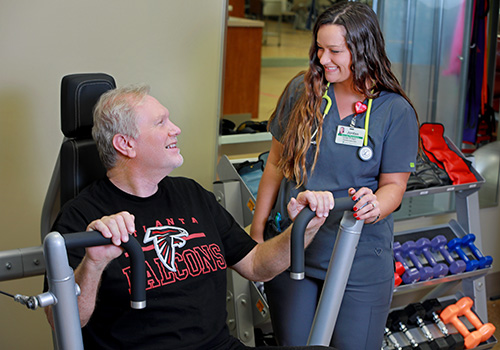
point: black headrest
(79, 94)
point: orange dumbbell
(450, 315)
(465, 305)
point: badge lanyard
(357, 137)
(325, 112)
(366, 152)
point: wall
(175, 46)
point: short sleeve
(237, 243)
(401, 139)
(285, 105)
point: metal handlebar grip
(297, 239)
(134, 250)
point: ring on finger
(374, 205)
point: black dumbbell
(432, 309)
(397, 321)
(416, 314)
(391, 339)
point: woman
(349, 85)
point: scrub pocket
(373, 263)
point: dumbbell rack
(450, 288)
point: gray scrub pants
(360, 323)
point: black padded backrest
(79, 160)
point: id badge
(350, 136)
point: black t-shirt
(188, 240)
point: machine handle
(134, 250)
(297, 238)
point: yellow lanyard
(328, 101)
(329, 105)
(367, 121)
(325, 112)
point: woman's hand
(367, 206)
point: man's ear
(125, 145)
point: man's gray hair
(114, 114)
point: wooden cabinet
(237, 8)
(242, 67)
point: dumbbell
(432, 308)
(438, 244)
(468, 241)
(399, 270)
(423, 247)
(465, 304)
(411, 275)
(456, 245)
(471, 339)
(397, 323)
(416, 313)
(426, 272)
(391, 339)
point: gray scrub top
(393, 137)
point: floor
(283, 62)
(280, 64)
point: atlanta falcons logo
(165, 240)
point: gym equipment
(465, 305)
(63, 290)
(423, 247)
(468, 241)
(338, 268)
(456, 245)
(411, 275)
(433, 307)
(392, 339)
(408, 248)
(471, 339)
(438, 244)
(397, 322)
(416, 313)
(399, 270)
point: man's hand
(271, 257)
(117, 227)
(88, 273)
(320, 202)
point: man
(187, 237)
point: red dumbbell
(465, 305)
(399, 270)
(450, 315)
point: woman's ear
(124, 145)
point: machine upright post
(335, 283)
(62, 284)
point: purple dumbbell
(456, 245)
(426, 272)
(468, 241)
(438, 244)
(411, 275)
(423, 247)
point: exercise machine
(232, 192)
(338, 271)
(63, 291)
